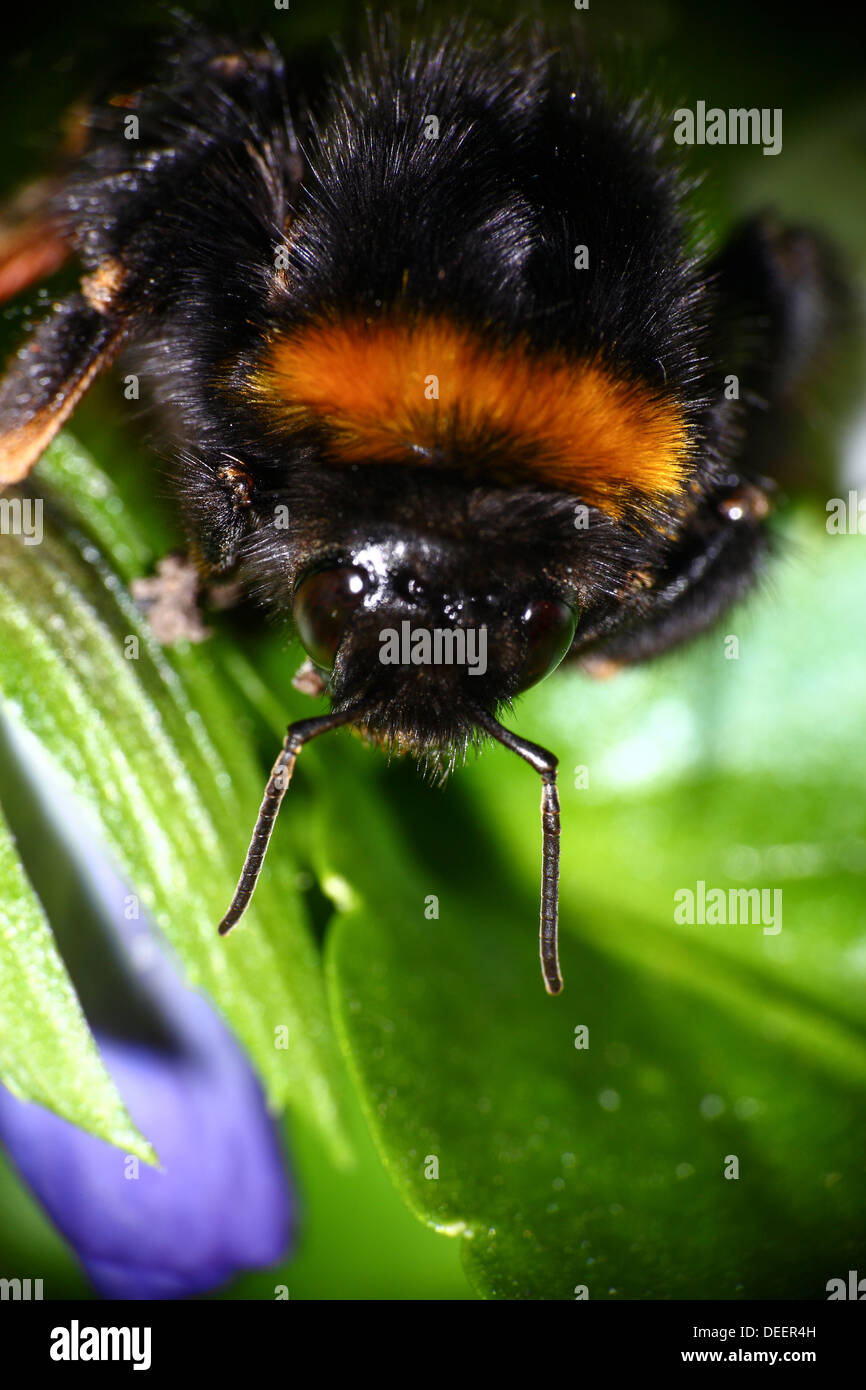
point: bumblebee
(443, 353)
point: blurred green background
(701, 1047)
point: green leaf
(160, 752)
(41, 1023)
(605, 1166)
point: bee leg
(31, 243)
(783, 311)
(47, 378)
(712, 567)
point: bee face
(456, 401)
(409, 630)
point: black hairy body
(235, 222)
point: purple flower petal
(220, 1202)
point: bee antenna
(545, 764)
(297, 735)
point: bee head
(411, 634)
(421, 643)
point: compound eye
(549, 627)
(323, 605)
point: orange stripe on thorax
(422, 391)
